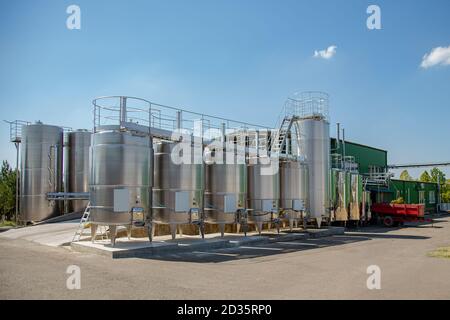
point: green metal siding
(365, 156)
(409, 191)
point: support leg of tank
(238, 227)
(173, 230)
(222, 229)
(259, 226)
(93, 231)
(113, 233)
(291, 224)
(150, 231)
(180, 230)
(202, 229)
(319, 222)
(129, 232)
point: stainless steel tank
(77, 166)
(314, 144)
(41, 171)
(356, 197)
(294, 190)
(178, 191)
(263, 191)
(121, 176)
(341, 206)
(225, 191)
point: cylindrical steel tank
(225, 191)
(179, 186)
(263, 195)
(294, 189)
(342, 191)
(121, 176)
(41, 171)
(314, 143)
(356, 196)
(77, 166)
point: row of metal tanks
(128, 167)
(42, 170)
(349, 201)
(128, 182)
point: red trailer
(396, 214)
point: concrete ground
(326, 268)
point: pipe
(343, 147)
(17, 183)
(123, 109)
(338, 136)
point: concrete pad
(124, 248)
(165, 245)
(54, 235)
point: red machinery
(395, 214)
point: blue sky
(238, 59)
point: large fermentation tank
(356, 196)
(179, 186)
(263, 191)
(77, 162)
(294, 189)
(225, 190)
(121, 176)
(41, 171)
(315, 146)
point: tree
(405, 176)
(425, 177)
(7, 191)
(437, 175)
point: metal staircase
(279, 142)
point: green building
(369, 159)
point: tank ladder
(281, 136)
(82, 226)
(84, 220)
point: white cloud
(439, 55)
(328, 53)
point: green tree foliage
(425, 177)
(405, 176)
(7, 191)
(437, 175)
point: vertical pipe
(17, 183)
(123, 109)
(179, 120)
(343, 146)
(257, 143)
(338, 136)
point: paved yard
(327, 268)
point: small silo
(294, 190)
(263, 197)
(179, 186)
(226, 188)
(41, 171)
(121, 170)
